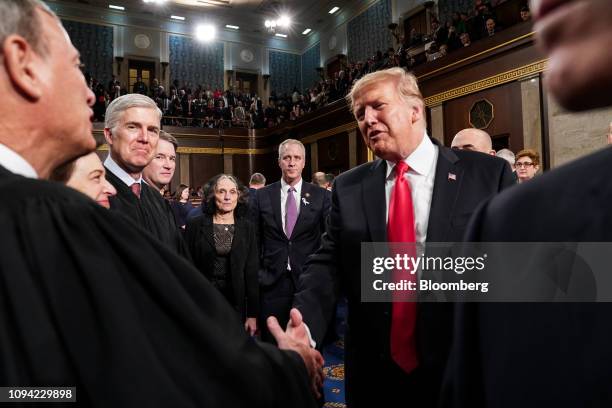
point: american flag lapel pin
(452, 176)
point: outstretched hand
(313, 360)
(296, 329)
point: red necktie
(400, 228)
(136, 189)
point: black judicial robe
(151, 212)
(88, 300)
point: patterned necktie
(290, 212)
(136, 189)
(400, 228)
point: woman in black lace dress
(223, 246)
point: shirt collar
(285, 186)
(421, 159)
(114, 168)
(15, 163)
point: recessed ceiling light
(116, 7)
(177, 18)
(333, 10)
(281, 35)
(306, 31)
(206, 32)
(233, 27)
(284, 21)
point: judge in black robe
(89, 299)
(152, 212)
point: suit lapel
(275, 202)
(302, 216)
(374, 203)
(446, 188)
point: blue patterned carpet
(334, 363)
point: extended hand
(250, 325)
(313, 360)
(296, 329)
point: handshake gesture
(296, 338)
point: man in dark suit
(547, 354)
(290, 216)
(131, 129)
(444, 189)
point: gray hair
(406, 85)
(168, 138)
(506, 154)
(283, 145)
(20, 17)
(125, 102)
(257, 179)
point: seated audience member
(527, 164)
(491, 28)
(181, 205)
(223, 246)
(160, 171)
(87, 175)
(475, 140)
(465, 40)
(525, 13)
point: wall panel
(507, 122)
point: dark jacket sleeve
(316, 292)
(251, 273)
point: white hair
(285, 143)
(20, 17)
(125, 102)
(507, 155)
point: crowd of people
(202, 106)
(104, 292)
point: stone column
(532, 120)
(437, 123)
(314, 157)
(184, 159)
(228, 163)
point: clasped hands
(296, 338)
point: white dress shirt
(13, 162)
(114, 168)
(420, 176)
(297, 194)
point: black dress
(87, 300)
(229, 259)
(222, 275)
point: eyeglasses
(523, 164)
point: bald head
(473, 139)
